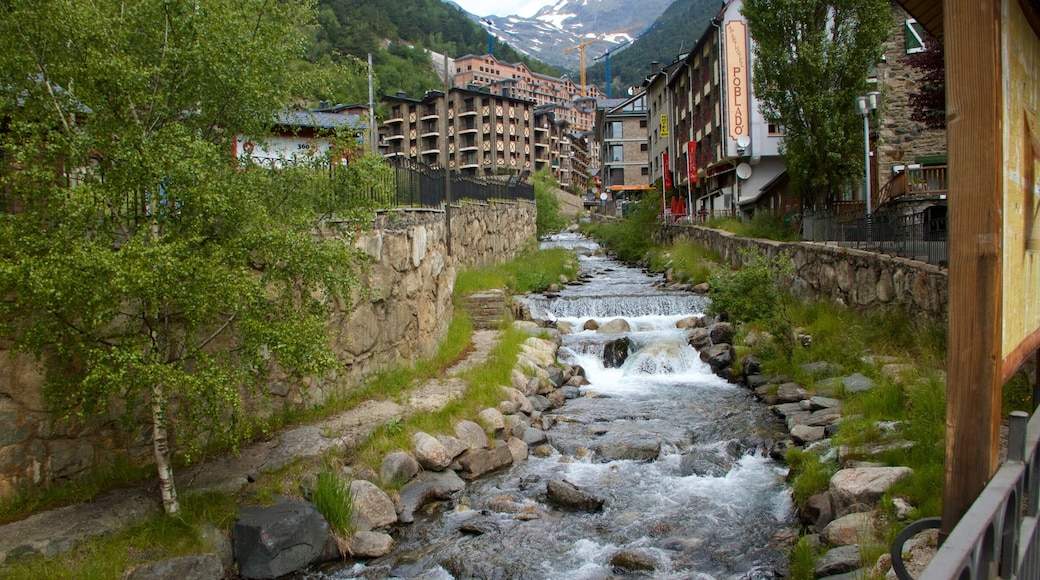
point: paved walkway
(55, 531)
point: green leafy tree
(811, 62)
(152, 273)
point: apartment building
(473, 132)
(707, 131)
(570, 102)
(621, 131)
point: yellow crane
(580, 47)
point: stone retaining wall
(412, 278)
(843, 276)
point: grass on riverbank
(763, 225)
(164, 537)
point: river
(705, 507)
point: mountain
(548, 34)
(398, 33)
(677, 30)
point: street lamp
(865, 105)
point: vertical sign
(667, 173)
(737, 78)
(691, 161)
(664, 125)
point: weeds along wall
(404, 318)
(843, 276)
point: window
(777, 129)
(616, 153)
(642, 123)
(644, 147)
(617, 176)
(644, 170)
(614, 130)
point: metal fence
(917, 236)
(419, 185)
(998, 536)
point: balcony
(915, 183)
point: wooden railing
(928, 182)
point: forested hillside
(395, 32)
(676, 31)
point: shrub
(630, 238)
(754, 293)
(808, 475)
(549, 219)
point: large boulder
(476, 462)
(722, 333)
(370, 544)
(373, 509)
(852, 489)
(718, 356)
(398, 467)
(852, 529)
(615, 353)
(430, 452)
(472, 434)
(616, 326)
(427, 487)
(698, 338)
(838, 561)
(565, 494)
(272, 541)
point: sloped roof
(319, 120)
(929, 13)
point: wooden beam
(974, 104)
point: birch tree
(149, 270)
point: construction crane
(580, 47)
(606, 56)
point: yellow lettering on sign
(664, 125)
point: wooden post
(974, 104)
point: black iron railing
(917, 236)
(419, 185)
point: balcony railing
(915, 182)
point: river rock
(557, 399)
(476, 462)
(370, 544)
(688, 322)
(540, 402)
(698, 338)
(615, 353)
(752, 365)
(819, 368)
(472, 434)
(824, 417)
(817, 402)
(534, 437)
(817, 511)
(516, 425)
(520, 399)
(492, 418)
(373, 509)
(633, 561)
(590, 324)
(863, 486)
(718, 356)
(611, 448)
(616, 326)
(838, 561)
(518, 448)
(722, 333)
(804, 434)
(453, 445)
(857, 383)
(851, 529)
(430, 452)
(791, 393)
(272, 541)
(193, 567)
(427, 487)
(565, 494)
(398, 466)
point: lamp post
(865, 105)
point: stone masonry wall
(407, 314)
(852, 278)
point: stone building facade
(412, 278)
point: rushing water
(705, 508)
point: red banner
(667, 173)
(691, 160)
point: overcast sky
(502, 7)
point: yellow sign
(737, 88)
(664, 125)
(1021, 247)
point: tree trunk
(160, 444)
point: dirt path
(56, 531)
